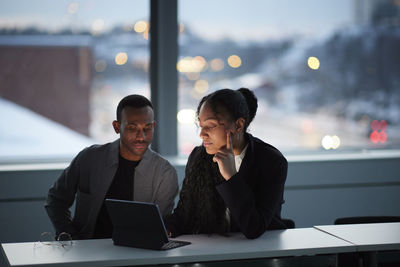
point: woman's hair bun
(251, 101)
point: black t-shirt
(120, 188)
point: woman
(234, 181)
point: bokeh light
(327, 142)
(378, 134)
(140, 26)
(217, 64)
(234, 61)
(313, 63)
(186, 116)
(330, 142)
(199, 64)
(374, 137)
(183, 64)
(336, 142)
(121, 58)
(97, 26)
(190, 64)
(201, 86)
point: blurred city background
(326, 73)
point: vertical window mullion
(163, 73)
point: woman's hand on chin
(225, 158)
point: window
(326, 73)
(64, 67)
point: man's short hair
(134, 101)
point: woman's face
(212, 130)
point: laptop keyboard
(174, 244)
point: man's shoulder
(155, 158)
(156, 168)
(97, 150)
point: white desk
(370, 240)
(367, 237)
(102, 252)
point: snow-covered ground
(25, 135)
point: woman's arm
(253, 209)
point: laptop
(139, 224)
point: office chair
(354, 259)
(289, 223)
(367, 219)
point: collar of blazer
(144, 164)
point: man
(124, 169)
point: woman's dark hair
(135, 101)
(201, 178)
(233, 104)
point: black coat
(254, 195)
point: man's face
(136, 130)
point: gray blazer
(87, 179)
